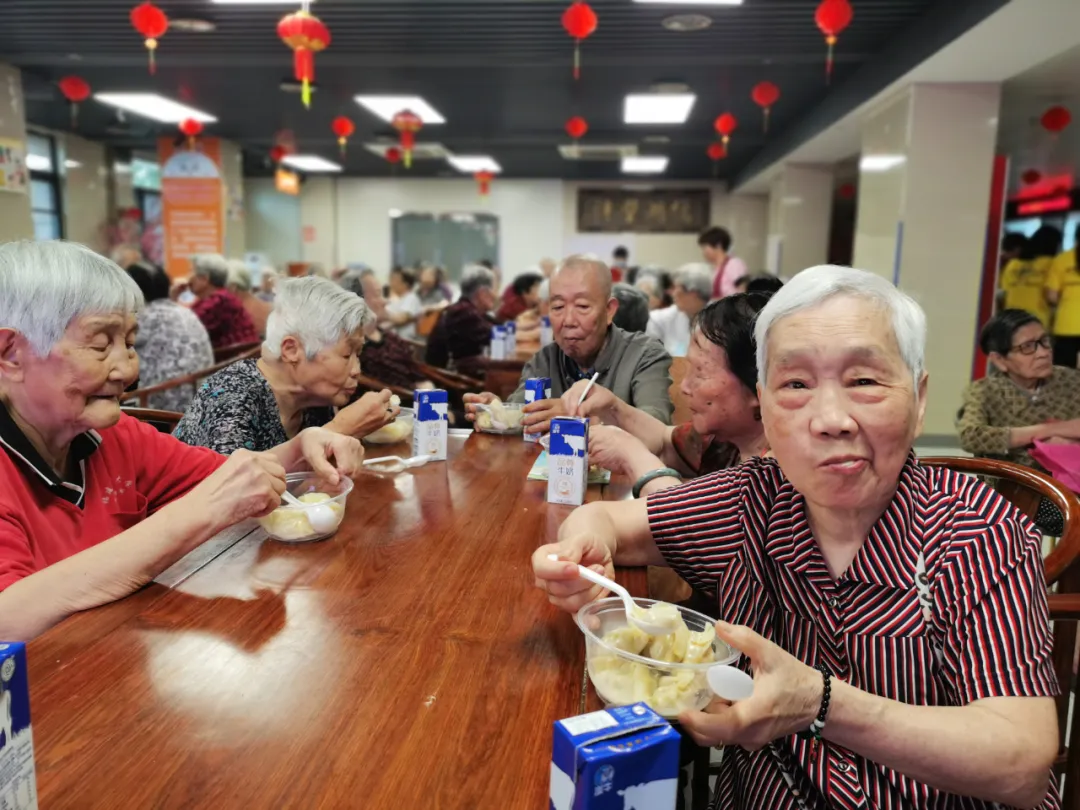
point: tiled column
(924, 195)
(15, 221)
(800, 211)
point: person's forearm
(623, 526)
(649, 430)
(1025, 436)
(289, 455)
(965, 750)
(103, 573)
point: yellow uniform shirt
(1024, 283)
(1064, 278)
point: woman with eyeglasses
(1030, 400)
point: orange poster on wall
(192, 202)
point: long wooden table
(407, 662)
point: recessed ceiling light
(658, 108)
(471, 164)
(686, 22)
(155, 107)
(645, 164)
(880, 163)
(386, 107)
(191, 25)
(311, 163)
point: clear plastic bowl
(621, 678)
(290, 524)
(487, 420)
(400, 430)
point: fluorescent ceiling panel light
(38, 163)
(644, 164)
(471, 164)
(311, 163)
(386, 107)
(658, 108)
(692, 2)
(154, 107)
(880, 163)
(256, 2)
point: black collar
(14, 441)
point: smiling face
(581, 312)
(331, 377)
(839, 404)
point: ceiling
(498, 70)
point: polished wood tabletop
(407, 662)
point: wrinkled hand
(538, 415)
(369, 413)
(560, 580)
(331, 455)
(1068, 429)
(472, 400)
(616, 450)
(247, 485)
(600, 403)
(1060, 440)
(786, 699)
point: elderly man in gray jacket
(635, 367)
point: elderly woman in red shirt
(94, 504)
(893, 616)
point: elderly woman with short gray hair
(671, 325)
(893, 616)
(464, 329)
(222, 313)
(310, 365)
(93, 503)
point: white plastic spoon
(320, 516)
(729, 683)
(393, 464)
(635, 615)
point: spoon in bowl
(320, 516)
(635, 615)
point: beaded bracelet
(818, 726)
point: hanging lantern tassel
(765, 94)
(76, 91)
(483, 180)
(832, 17)
(725, 124)
(408, 124)
(152, 23)
(393, 157)
(306, 35)
(580, 22)
(343, 128)
(716, 153)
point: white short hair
(212, 267)
(44, 286)
(315, 311)
(696, 278)
(817, 285)
(239, 275)
(474, 278)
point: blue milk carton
(545, 331)
(568, 460)
(511, 338)
(498, 343)
(536, 389)
(430, 423)
(623, 758)
(18, 787)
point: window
(451, 241)
(45, 207)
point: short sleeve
(997, 641)
(16, 557)
(168, 469)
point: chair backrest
(142, 395)
(425, 324)
(1025, 488)
(679, 367)
(234, 351)
(165, 421)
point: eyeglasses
(1032, 346)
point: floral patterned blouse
(236, 409)
(172, 342)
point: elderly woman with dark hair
(95, 504)
(720, 387)
(893, 616)
(171, 341)
(222, 313)
(309, 367)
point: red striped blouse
(741, 535)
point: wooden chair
(426, 322)
(165, 421)
(235, 351)
(142, 395)
(679, 367)
(1025, 488)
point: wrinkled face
(484, 299)
(580, 313)
(77, 387)
(373, 297)
(1038, 365)
(333, 374)
(720, 405)
(839, 405)
(687, 301)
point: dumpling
(627, 638)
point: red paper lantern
(1031, 177)
(306, 35)
(725, 124)
(1056, 119)
(846, 191)
(483, 180)
(343, 128)
(832, 17)
(151, 22)
(716, 152)
(408, 124)
(580, 22)
(191, 128)
(577, 127)
(765, 94)
(278, 153)
(393, 156)
(76, 91)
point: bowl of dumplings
(499, 417)
(627, 665)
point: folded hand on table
(786, 699)
(560, 580)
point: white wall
(86, 192)
(272, 222)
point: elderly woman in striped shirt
(901, 606)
